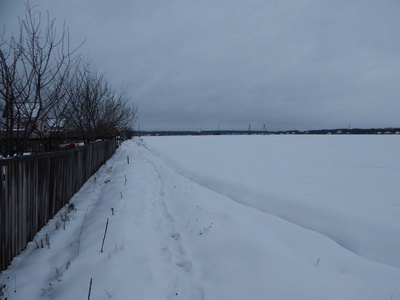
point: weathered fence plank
(34, 188)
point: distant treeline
(252, 132)
(344, 131)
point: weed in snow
(5, 286)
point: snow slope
(249, 217)
(345, 187)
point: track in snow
(171, 247)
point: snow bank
(345, 187)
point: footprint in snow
(184, 264)
(176, 236)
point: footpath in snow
(169, 237)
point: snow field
(344, 187)
(225, 218)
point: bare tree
(9, 91)
(85, 99)
(95, 110)
(34, 78)
(117, 113)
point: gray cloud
(202, 64)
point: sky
(204, 65)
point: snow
(226, 217)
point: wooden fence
(34, 188)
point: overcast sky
(204, 64)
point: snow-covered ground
(226, 217)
